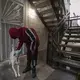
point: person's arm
(19, 45)
(18, 49)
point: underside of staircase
(49, 11)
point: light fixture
(32, 13)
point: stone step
(65, 40)
(73, 32)
(43, 4)
(70, 53)
(72, 36)
(68, 62)
(74, 28)
(70, 45)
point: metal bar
(17, 2)
(15, 19)
(12, 23)
(75, 19)
(5, 7)
(11, 11)
(9, 43)
(8, 9)
(5, 40)
(12, 16)
(62, 21)
(74, 16)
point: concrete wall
(36, 23)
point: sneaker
(26, 69)
(33, 72)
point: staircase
(68, 57)
(49, 13)
(62, 52)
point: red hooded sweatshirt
(23, 37)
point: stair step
(44, 9)
(43, 4)
(72, 36)
(70, 46)
(68, 62)
(52, 24)
(48, 17)
(75, 54)
(73, 32)
(71, 70)
(74, 28)
(38, 2)
(50, 10)
(65, 40)
(48, 14)
(50, 20)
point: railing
(73, 21)
(54, 39)
(57, 35)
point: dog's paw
(19, 75)
(16, 75)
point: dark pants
(31, 56)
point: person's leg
(34, 62)
(28, 66)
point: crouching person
(31, 39)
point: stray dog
(14, 60)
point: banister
(60, 23)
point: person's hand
(17, 52)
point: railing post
(0, 35)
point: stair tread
(48, 17)
(71, 40)
(38, 2)
(72, 36)
(46, 11)
(74, 28)
(71, 53)
(43, 4)
(66, 61)
(73, 32)
(70, 45)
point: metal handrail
(60, 23)
(74, 16)
(63, 20)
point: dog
(14, 60)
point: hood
(13, 33)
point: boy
(31, 39)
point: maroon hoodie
(22, 36)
